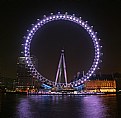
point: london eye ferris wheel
(66, 17)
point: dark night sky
(16, 16)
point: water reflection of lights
(49, 106)
(94, 107)
(23, 109)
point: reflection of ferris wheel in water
(66, 17)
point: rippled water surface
(60, 106)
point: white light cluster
(67, 17)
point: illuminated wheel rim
(66, 17)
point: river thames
(60, 106)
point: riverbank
(59, 93)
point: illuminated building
(24, 76)
(101, 85)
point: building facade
(100, 86)
(24, 77)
